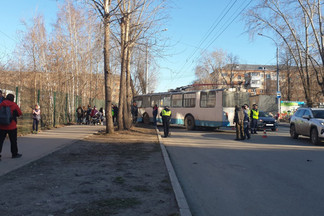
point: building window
(239, 77)
(268, 76)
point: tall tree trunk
(108, 72)
(128, 89)
(122, 77)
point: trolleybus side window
(165, 100)
(155, 99)
(177, 100)
(207, 99)
(146, 101)
(138, 101)
(189, 100)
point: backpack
(5, 115)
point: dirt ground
(119, 174)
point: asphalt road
(275, 175)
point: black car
(266, 121)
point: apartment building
(256, 79)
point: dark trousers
(166, 125)
(79, 121)
(246, 130)
(35, 124)
(254, 125)
(154, 120)
(13, 140)
(134, 119)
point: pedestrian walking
(36, 118)
(115, 116)
(166, 118)
(238, 121)
(10, 129)
(246, 121)
(79, 112)
(155, 112)
(88, 114)
(254, 115)
(101, 115)
(134, 111)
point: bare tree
(294, 23)
(137, 19)
(103, 8)
(216, 68)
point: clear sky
(218, 22)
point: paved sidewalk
(35, 146)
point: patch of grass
(119, 180)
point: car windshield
(264, 114)
(318, 114)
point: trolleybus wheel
(190, 122)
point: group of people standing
(246, 120)
(89, 115)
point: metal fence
(57, 108)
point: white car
(308, 122)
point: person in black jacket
(238, 120)
(155, 112)
(134, 111)
(166, 118)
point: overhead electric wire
(217, 21)
(208, 33)
(7, 36)
(213, 27)
(217, 36)
(227, 26)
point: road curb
(180, 197)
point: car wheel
(293, 133)
(190, 122)
(146, 118)
(314, 136)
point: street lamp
(278, 86)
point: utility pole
(278, 86)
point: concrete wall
(230, 99)
(267, 103)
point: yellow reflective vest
(255, 114)
(166, 113)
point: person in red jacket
(11, 129)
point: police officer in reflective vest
(166, 117)
(254, 118)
